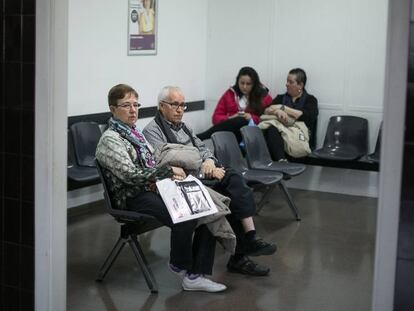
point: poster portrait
(142, 27)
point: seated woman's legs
(182, 242)
(190, 258)
(230, 125)
(275, 143)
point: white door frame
(51, 154)
(395, 88)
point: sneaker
(202, 284)
(258, 247)
(177, 271)
(246, 266)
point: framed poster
(142, 27)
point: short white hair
(165, 92)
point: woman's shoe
(202, 284)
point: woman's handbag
(295, 135)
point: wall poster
(142, 27)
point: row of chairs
(258, 169)
(346, 139)
(260, 172)
(83, 137)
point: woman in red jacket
(241, 104)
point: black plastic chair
(86, 136)
(82, 175)
(228, 153)
(258, 156)
(346, 139)
(132, 224)
(375, 156)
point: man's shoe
(259, 247)
(246, 266)
(202, 284)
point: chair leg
(143, 264)
(111, 259)
(266, 193)
(289, 200)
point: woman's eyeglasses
(128, 106)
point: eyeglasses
(176, 105)
(128, 106)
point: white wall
(98, 54)
(340, 44)
(202, 45)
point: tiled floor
(325, 262)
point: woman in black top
(295, 104)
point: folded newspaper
(186, 199)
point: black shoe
(259, 247)
(246, 266)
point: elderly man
(129, 168)
(167, 127)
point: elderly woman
(295, 104)
(244, 102)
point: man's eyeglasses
(128, 106)
(176, 105)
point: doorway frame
(51, 154)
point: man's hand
(218, 173)
(207, 168)
(178, 173)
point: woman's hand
(247, 116)
(272, 109)
(282, 116)
(178, 173)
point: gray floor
(324, 262)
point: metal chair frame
(228, 153)
(132, 224)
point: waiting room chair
(86, 136)
(132, 224)
(346, 139)
(79, 174)
(258, 156)
(375, 156)
(229, 154)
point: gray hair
(300, 75)
(165, 92)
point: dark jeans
(230, 125)
(196, 255)
(275, 143)
(242, 203)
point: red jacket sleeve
(226, 107)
